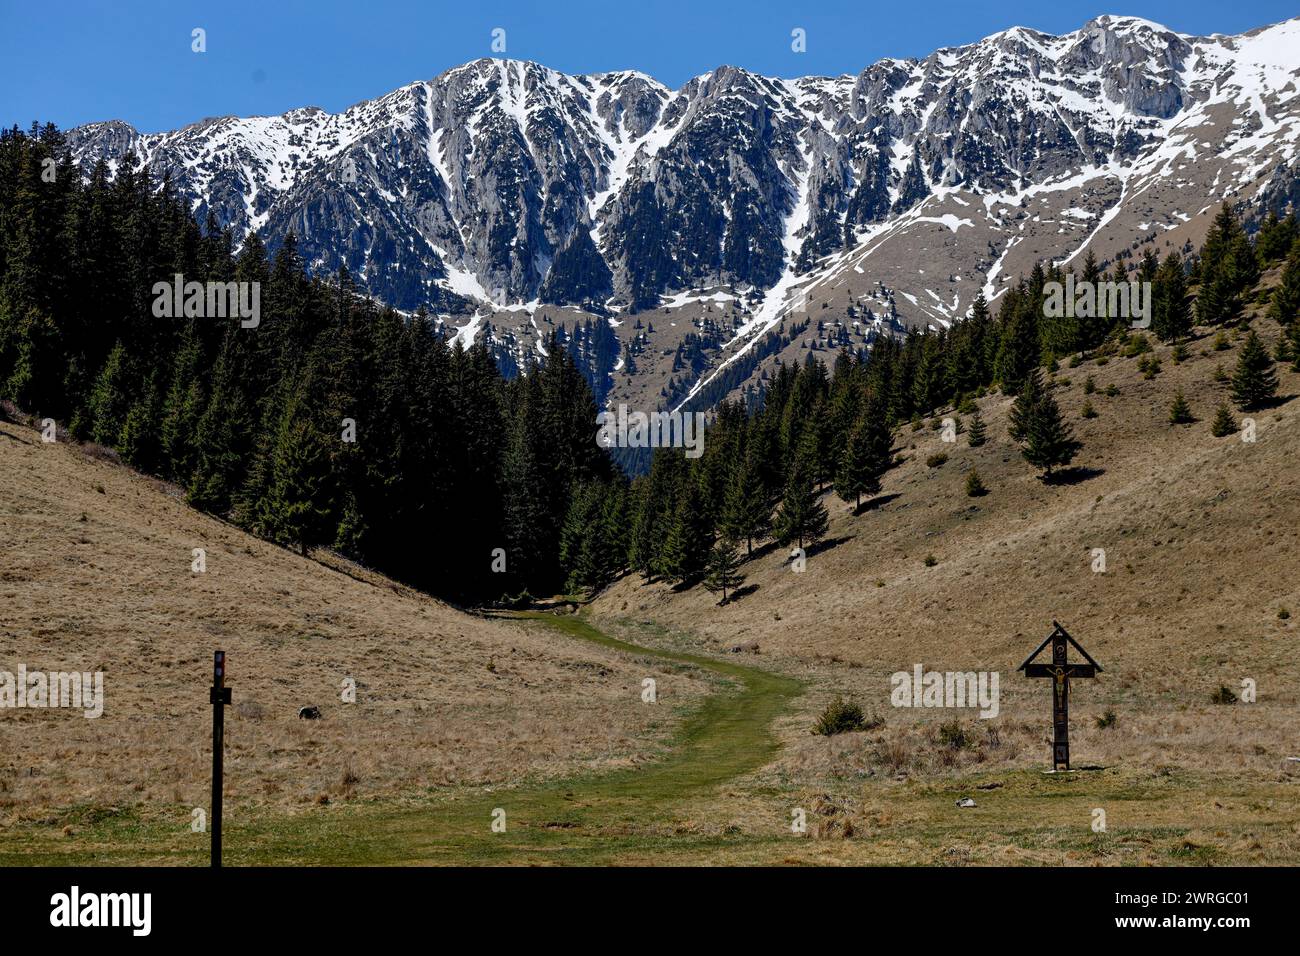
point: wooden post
(219, 696)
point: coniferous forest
(340, 423)
(450, 461)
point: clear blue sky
(84, 60)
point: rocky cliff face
(503, 187)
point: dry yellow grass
(95, 575)
(1199, 535)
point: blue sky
(83, 60)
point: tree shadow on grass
(762, 551)
(1277, 401)
(739, 593)
(872, 504)
(827, 543)
(1073, 476)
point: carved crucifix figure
(1060, 671)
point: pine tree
(976, 436)
(610, 551)
(1095, 328)
(181, 411)
(221, 441)
(1224, 424)
(746, 510)
(1049, 442)
(1019, 351)
(1255, 381)
(1171, 315)
(867, 456)
(802, 516)
(975, 485)
(1062, 333)
(139, 441)
(643, 541)
(723, 573)
(297, 508)
(1180, 413)
(1119, 277)
(577, 538)
(528, 519)
(38, 357)
(688, 537)
(591, 547)
(1149, 267)
(1217, 301)
(1227, 268)
(1219, 237)
(815, 444)
(1275, 238)
(1021, 416)
(1244, 264)
(1284, 307)
(110, 400)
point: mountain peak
(505, 181)
(1126, 23)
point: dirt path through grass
(624, 816)
(633, 815)
(595, 819)
(680, 810)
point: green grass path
(620, 816)
(600, 817)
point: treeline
(333, 422)
(762, 470)
(336, 422)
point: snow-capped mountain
(503, 186)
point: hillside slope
(1199, 584)
(95, 574)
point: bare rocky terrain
(505, 195)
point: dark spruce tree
(802, 517)
(1018, 351)
(867, 455)
(1021, 417)
(1284, 306)
(1171, 317)
(297, 508)
(688, 537)
(977, 434)
(1254, 382)
(592, 545)
(746, 508)
(1224, 424)
(723, 574)
(1048, 440)
(1226, 268)
(1275, 238)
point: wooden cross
(1060, 671)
